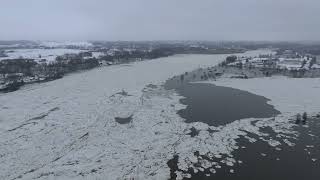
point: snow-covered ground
(65, 129)
(62, 44)
(288, 95)
(39, 54)
(98, 54)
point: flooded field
(295, 158)
(216, 105)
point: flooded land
(295, 157)
(258, 160)
(216, 105)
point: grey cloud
(160, 19)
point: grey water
(216, 105)
(298, 162)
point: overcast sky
(160, 19)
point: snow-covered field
(65, 129)
(57, 44)
(288, 95)
(39, 54)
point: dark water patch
(43, 115)
(264, 162)
(173, 165)
(122, 93)
(211, 130)
(126, 120)
(22, 125)
(194, 132)
(216, 105)
(39, 117)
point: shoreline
(15, 85)
(203, 75)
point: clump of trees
(301, 119)
(3, 54)
(24, 66)
(312, 62)
(231, 59)
(181, 77)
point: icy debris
(312, 135)
(250, 139)
(206, 164)
(195, 170)
(274, 143)
(278, 149)
(288, 142)
(187, 175)
(213, 171)
(228, 163)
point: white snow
(39, 54)
(97, 54)
(83, 104)
(62, 44)
(289, 95)
(65, 129)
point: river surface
(45, 126)
(66, 129)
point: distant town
(288, 63)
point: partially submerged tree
(298, 118)
(304, 118)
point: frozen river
(79, 95)
(65, 129)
